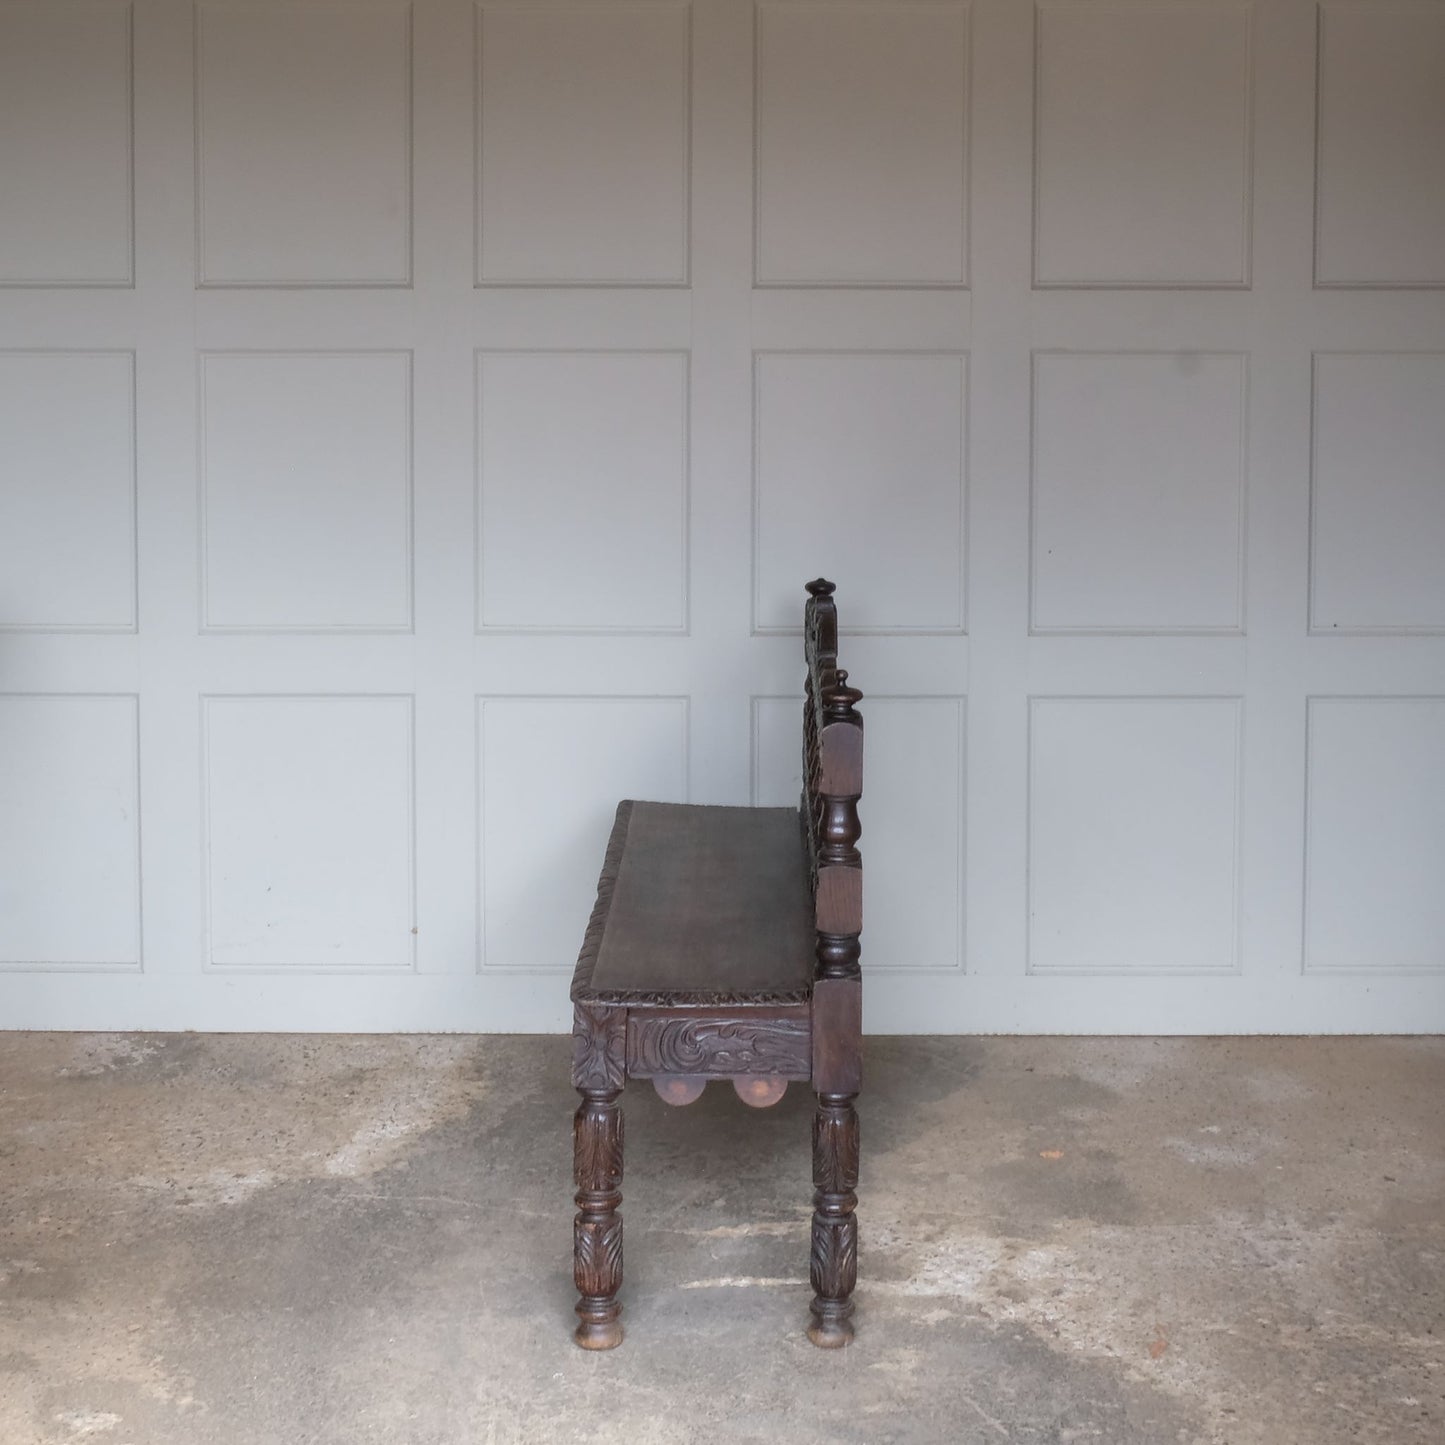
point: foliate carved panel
(597, 1047)
(597, 1259)
(835, 1152)
(597, 1146)
(713, 1047)
(833, 1265)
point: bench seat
(701, 905)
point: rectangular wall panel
(582, 458)
(1134, 835)
(70, 841)
(306, 491)
(303, 145)
(1376, 772)
(550, 772)
(1377, 523)
(1142, 145)
(67, 491)
(65, 144)
(862, 146)
(310, 843)
(1138, 492)
(860, 474)
(1380, 202)
(912, 812)
(583, 142)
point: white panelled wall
(417, 422)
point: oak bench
(724, 945)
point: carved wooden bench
(724, 945)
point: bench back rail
(833, 784)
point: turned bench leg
(597, 1230)
(835, 1226)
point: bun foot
(831, 1331)
(599, 1334)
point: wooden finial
(821, 587)
(840, 699)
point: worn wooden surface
(708, 902)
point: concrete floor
(339, 1241)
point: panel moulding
(682, 627)
(129, 625)
(406, 623)
(957, 626)
(679, 278)
(956, 279)
(123, 279)
(209, 966)
(1237, 627)
(1235, 965)
(1241, 281)
(1347, 971)
(134, 965)
(1335, 629)
(205, 279)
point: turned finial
(840, 699)
(821, 587)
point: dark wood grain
(838, 1035)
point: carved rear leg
(597, 1230)
(835, 1226)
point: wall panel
(309, 845)
(67, 511)
(65, 144)
(1143, 151)
(862, 144)
(1378, 501)
(583, 163)
(70, 847)
(1380, 217)
(303, 145)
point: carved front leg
(598, 1072)
(597, 1230)
(835, 1226)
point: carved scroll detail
(718, 1048)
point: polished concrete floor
(340, 1241)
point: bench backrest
(832, 786)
